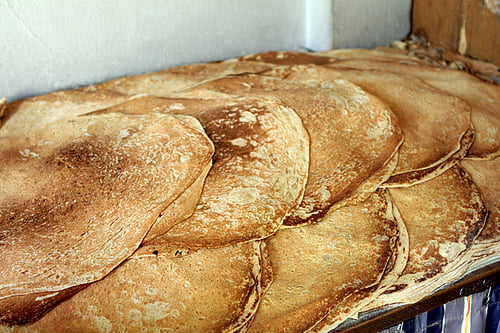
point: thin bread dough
(259, 170)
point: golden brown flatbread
(215, 290)
(26, 114)
(355, 303)
(439, 233)
(485, 174)
(287, 58)
(170, 80)
(78, 195)
(484, 98)
(317, 266)
(353, 134)
(346, 54)
(259, 170)
(436, 126)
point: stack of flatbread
(277, 192)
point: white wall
(369, 23)
(47, 45)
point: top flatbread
(259, 170)
(353, 134)
(78, 195)
(484, 98)
(433, 122)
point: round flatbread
(443, 217)
(26, 114)
(65, 183)
(483, 98)
(353, 134)
(215, 290)
(170, 80)
(259, 170)
(317, 266)
(436, 125)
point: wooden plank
(482, 29)
(468, 26)
(438, 21)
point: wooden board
(471, 27)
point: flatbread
(439, 233)
(26, 114)
(433, 122)
(259, 171)
(170, 80)
(64, 183)
(485, 174)
(317, 266)
(347, 146)
(37, 111)
(287, 58)
(185, 205)
(216, 290)
(346, 54)
(352, 305)
(484, 98)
